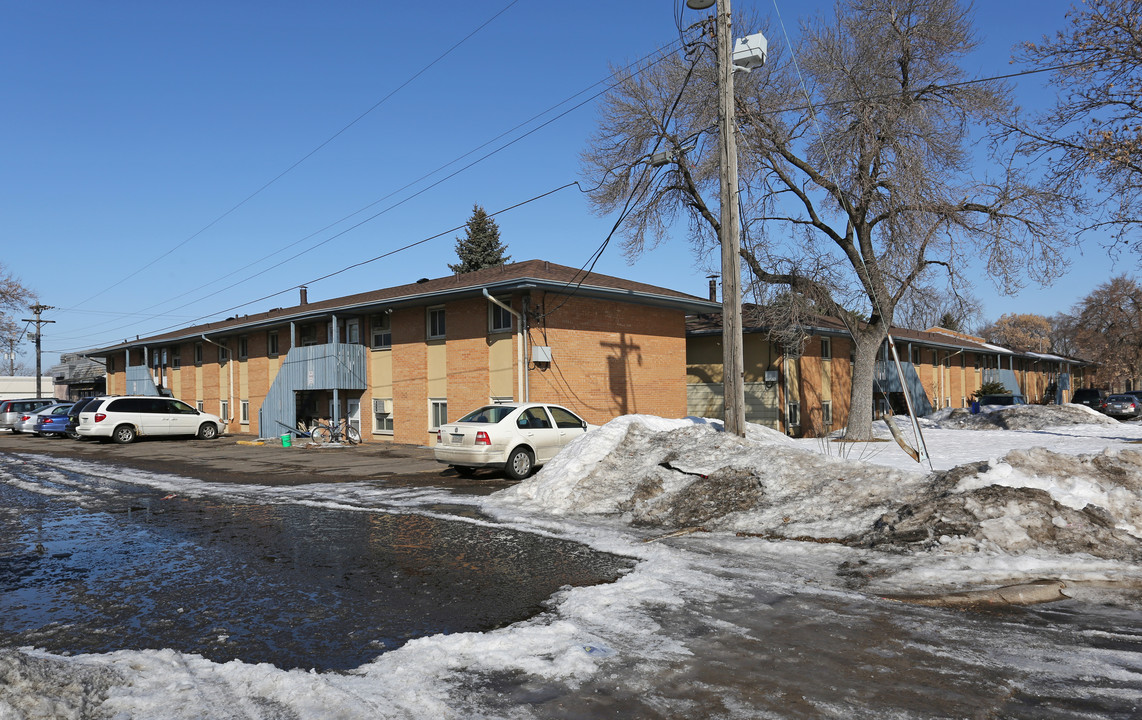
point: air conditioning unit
(382, 406)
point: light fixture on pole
(733, 363)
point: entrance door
(355, 413)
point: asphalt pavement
(239, 459)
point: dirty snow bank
(1030, 513)
(1017, 417)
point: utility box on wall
(540, 354)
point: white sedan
(517, 437)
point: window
(383, 416)
(110, 364)
(435, 323)
(534, 419)
(501, 320)
(243, 347)
(826, 348)
(245, 412)
(914, 354)
(501, 399)
(198, 353)
(382, 327)
(176, 357)
(565, 419)
(439, 412)
(224, 410)
(827, 412)
(272, 346)
(223, 354)
(793, 415)
(353, 331)
(199, 406)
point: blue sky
(142, 184)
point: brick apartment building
(400, 361)
(807, 393)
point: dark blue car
(54, 425)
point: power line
(642, 63)
(310, 154)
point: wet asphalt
(92, 562)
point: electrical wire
(312, 152)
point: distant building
(24, 386)
(77, 376)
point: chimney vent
(713, 288)
(304, 296)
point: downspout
(230, 364)
(521, 358)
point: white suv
(123, 419)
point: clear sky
(168, 163)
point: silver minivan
(125, 418)
(12, 410)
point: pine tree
(480, 247)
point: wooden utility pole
(37, 309)
(733, 370)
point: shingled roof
(530, 274)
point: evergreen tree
(480, 247)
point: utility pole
(733, 363)
(37, 309)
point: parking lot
(232, 458)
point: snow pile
(680, 474)
(1016, 417)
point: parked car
(517, 437)
(73, 415)
(1002, 399)
(1091, 397)
(1123, 406)
(27, 422)
(11, 411)
(53, 421)
(123, 419)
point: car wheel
(520, 463)
(72, 434)
(124, 434)
(208, 431)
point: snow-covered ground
(768, 603)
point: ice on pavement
(1011, 495)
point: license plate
(457, 439)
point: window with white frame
(827, 412)
(436, 326)
(382, 329)
(502, 399)
(245, 410)
(199, 406)
(826, 348)
(438, 411)
(793, 414)
(224, 410)
(383, 416)
(500, 320)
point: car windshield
(1122, 398)
(488, 414)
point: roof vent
(421, 281)
(304, 295)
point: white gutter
(521, 354)
(230, 364)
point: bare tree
(925, 306)
(1024, 332)
(13, 296)
(1108, 329)
(856, 168)
(1094, 130)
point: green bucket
(286, 442)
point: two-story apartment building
(400, 361)
(807, 391)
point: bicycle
(326, 434)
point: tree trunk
(868, 341)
